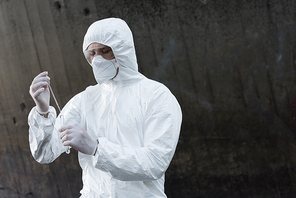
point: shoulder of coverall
(160, 99)
(155, 89)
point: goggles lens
(91, 53)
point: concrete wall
(231, 65)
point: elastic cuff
(42, 113)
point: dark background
(231, 65)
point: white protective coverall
(136, 120)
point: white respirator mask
(104, 69)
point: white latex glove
(78, 138)
(39, 91)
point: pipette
(61, 116)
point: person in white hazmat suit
(125, 128)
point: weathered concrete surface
(231, 65)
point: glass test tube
(62, 124)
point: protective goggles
(91, 53)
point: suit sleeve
(45, 144)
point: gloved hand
(77, 138)
(39, 91)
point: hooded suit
(136, 121)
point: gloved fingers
(35, 87)
(65, 132)
(67, 143)
(67, 137)
(41, 79)
(38, 92)
(42, 74)
(65, 127)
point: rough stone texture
(231, 65)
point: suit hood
(116, 34)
